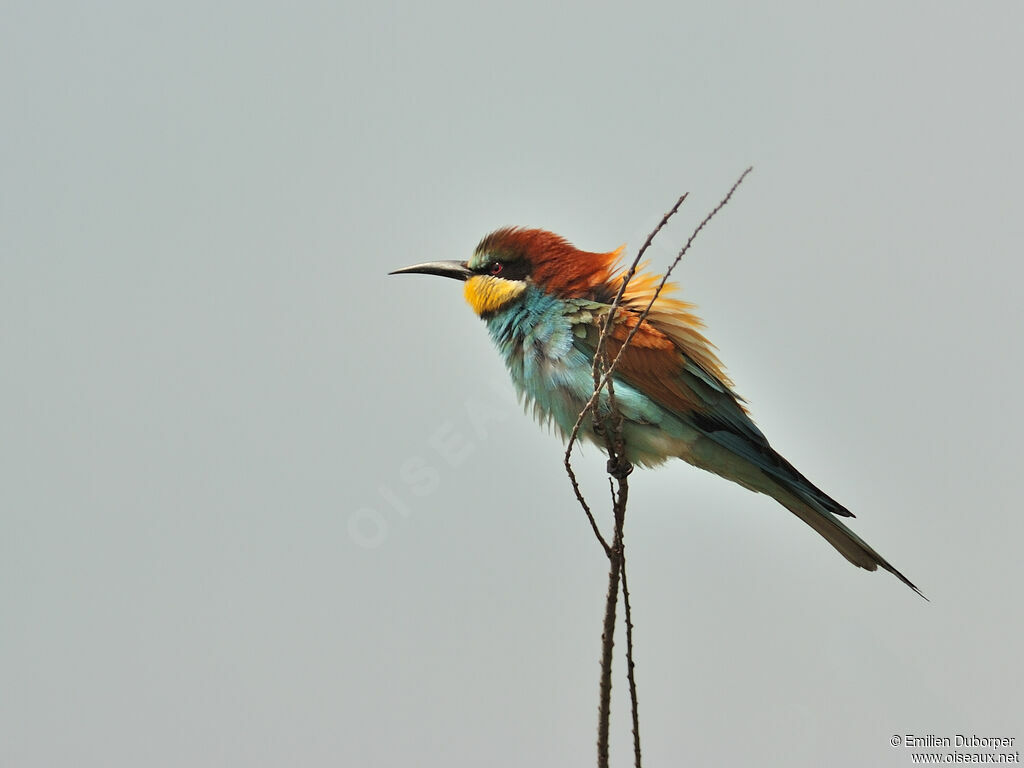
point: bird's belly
(651, 434)
(649, 445)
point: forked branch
(607, 425)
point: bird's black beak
(457, 270)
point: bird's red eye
(496, 268)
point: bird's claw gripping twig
(619, 468)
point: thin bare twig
(616, 563)
(607, 643)
(601, 355)
(602, 341)
(586, 507)
(630, 674)
(675, 262)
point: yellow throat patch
(489, 294)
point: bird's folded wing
(664, 367)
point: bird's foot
(619, 468)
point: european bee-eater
(545, 303)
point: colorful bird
(545, 303)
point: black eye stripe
(518, 269)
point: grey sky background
(263, 505)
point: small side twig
(586, 507)
(672, 266)
(602, 341)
